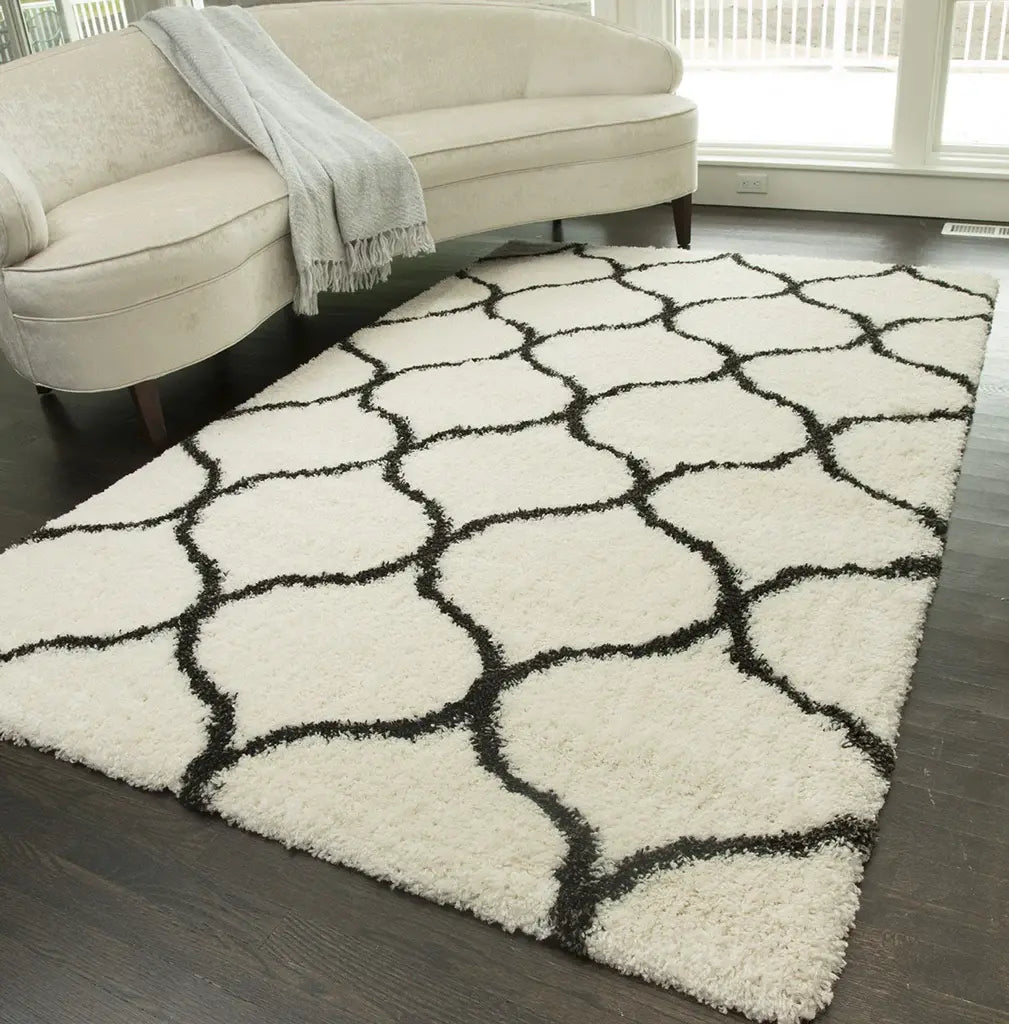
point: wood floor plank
(120, 907)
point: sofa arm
(24, 230)
(675, 65)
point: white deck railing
(993, 38)
(42, 20)
(837, 33)
(715, 33)
(52, 22)
(94, 17)
(5, 51)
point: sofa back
(111, 107)
(99, 111)
(382, 57)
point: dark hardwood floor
(121, 907)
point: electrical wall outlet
(753, 181)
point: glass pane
(7, 51)
(44, 24)
(49, 23)
(819, 73)
(977, 91)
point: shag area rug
(581, 592)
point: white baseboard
(944, 196)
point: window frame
(922, 74)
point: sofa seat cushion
(150, 236)
(180, 227)
(460, 143)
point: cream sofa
(138, 235)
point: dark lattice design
(583, 885)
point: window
(815, 73)
(912, 84)
(29, 26)
(977, 87)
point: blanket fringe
(367, 262)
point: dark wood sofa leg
(682, 209)
(148, 402)
(43, 390)
(558, 231)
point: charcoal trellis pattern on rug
(581, 592)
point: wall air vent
(965, 230)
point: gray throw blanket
(355, 199)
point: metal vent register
(976, 230)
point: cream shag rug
(581, 592)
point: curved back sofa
(138, 235)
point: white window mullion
(651, 16)
(921, 80)
(606, 9)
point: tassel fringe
(367, 262)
